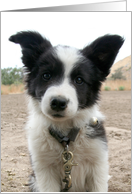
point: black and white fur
(63, 85)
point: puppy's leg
(98, 181)
(47, 179)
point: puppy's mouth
(57, 116)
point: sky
(76, 29)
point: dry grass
(115, 85)
(12, 89)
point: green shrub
(118, 74)
(107, 88)
(128, 69)
(11, 76)
(121, 88)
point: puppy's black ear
(32, 44)
(103, 51)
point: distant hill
(126, 67)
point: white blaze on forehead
(69, 56)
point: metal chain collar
(67, 157)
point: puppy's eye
(79, 80)
(46, 76)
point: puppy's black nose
(58, 103)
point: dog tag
(93, 121)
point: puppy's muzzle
(58, 103)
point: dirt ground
(15, 162)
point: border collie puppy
(63, 85)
